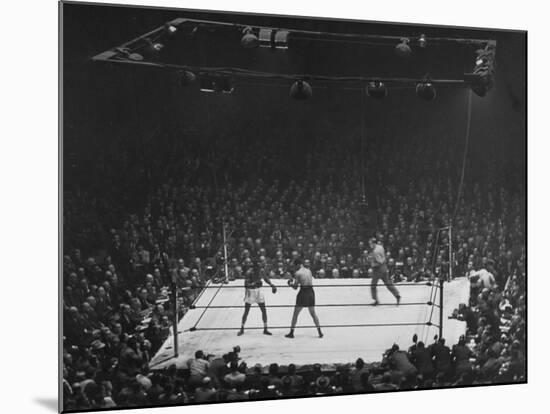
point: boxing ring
(352, 327)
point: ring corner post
(450, 251)
(175, 311)
(225, 263)
(441, 283)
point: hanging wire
(467, 140)
(363, 145)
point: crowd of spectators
(127, 248)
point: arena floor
(216, 328)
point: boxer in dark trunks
(253, 294)
(305, 297)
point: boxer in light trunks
(305, 297)
(253, 294)
(380, 271)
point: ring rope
(317, 305)
(365, 325)
(322, 286)
(200, 294)
(433, 307)
(209, 303)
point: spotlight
(186, 77)
(422, 42)
(403, 49)
(216, 84)
(482, 78)
(377, 89)
(273, 39)
(426, 90)
(281, 39)
(301, 90)
(170, 29)
(249, 39)
(267, 37)
(153, 49)
(157, 47)
(481, 86)
(132, 56)
(135, 56)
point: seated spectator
(131, 358)
(286, 389)
(491, 366)
(461, 355)
(386, 384)
(198, 369)
(356, 374)
(422, 360)
(218, 368)
(274, 377)
(399, 361)
(296, 381)
(254, 378)
(234, 378)
(205, 391)
(442, 358)
(365, 383)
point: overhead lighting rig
(147, 50)
(426, 90)
(186, 77)
(377, 89)
(422, 41)
(402, 49)
(249, 39)
(301, 90)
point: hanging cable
(461, 183)
(363, 194)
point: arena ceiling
(104, 102)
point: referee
(380, 271)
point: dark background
(142, 108)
